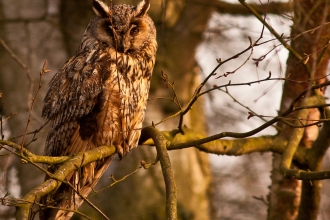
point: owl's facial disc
(125, 38)
(126, 28)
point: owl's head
(126, 28)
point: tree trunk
(288, 194)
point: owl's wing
(73, 100)
(72, 95)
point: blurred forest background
(192, 35)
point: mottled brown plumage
(99, 95)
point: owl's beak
(121, 47)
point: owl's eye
(134, 31)
(109, 30)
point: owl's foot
(122, 151)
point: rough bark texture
(285, 196)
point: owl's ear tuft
(101, 9)
(142, 8)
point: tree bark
(287, 195)
(268, 8)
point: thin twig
(43, 71)
(18, 60)
(278, 36)
(258, 129)
(271, 29)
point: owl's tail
(62, 203)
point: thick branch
(28, 156)
(269, 8)
(171, 189)
(56, 179)
(293, 144)
(232, 147)
(322, 143)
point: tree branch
(272, 30)
(28, 156)
(269, 8)
(56, 179)
(292, 146)
(171, 189)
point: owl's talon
(120, 151)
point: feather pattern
(99, 96)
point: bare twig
(117, 181)
(213, 73)
(171, 86)
(245, 61)
(32, 132)
(18, 60)
(271, 29)
(44, 70)
(251, 112)
(258, 129)
(261, 199)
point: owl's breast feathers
(97, 98)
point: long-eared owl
(99, 96)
